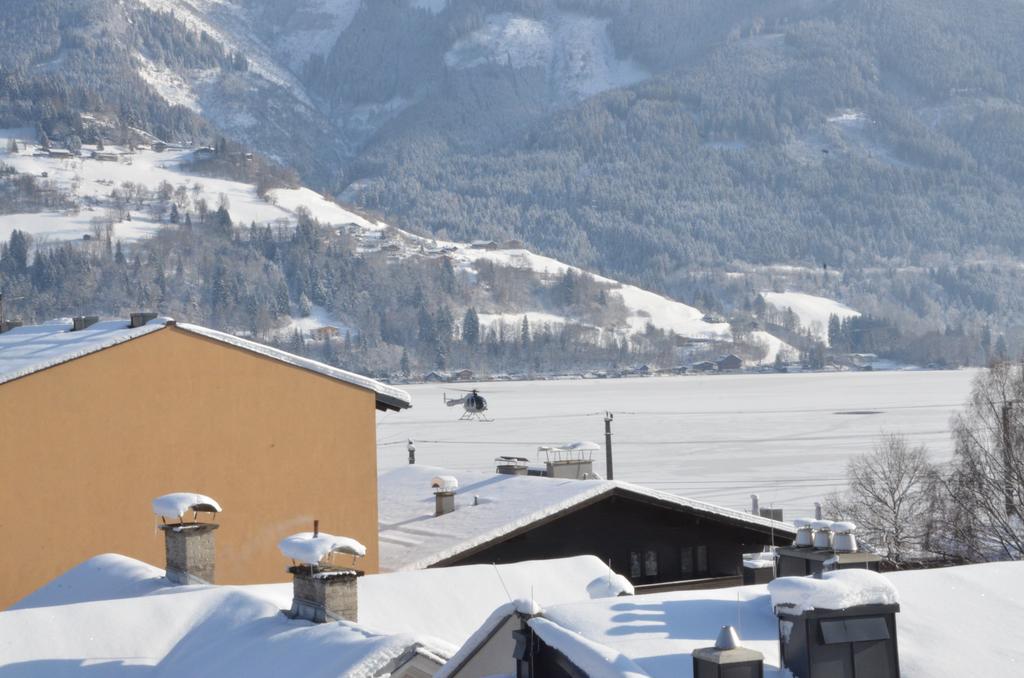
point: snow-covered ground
(813, 311)
(91, 182)
(717, 438)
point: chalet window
(635, 565)
(702, 560)
(686, 561)
(651, 563)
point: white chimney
(822, 534)
(844, 540)
(804, 533)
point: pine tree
(175, 215)
(17, 250)
(524, 332)
(471, 328)
(403, 364)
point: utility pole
(1011, 508)
(608, 446)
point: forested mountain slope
(669, 143)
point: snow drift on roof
(177, 504)
(25, 350)
(309, 549)
(411, 537)
(122, 614)
(836, 590)
(594, 659)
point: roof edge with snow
(387, 397)
(602, 491)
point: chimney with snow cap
(727, 659)
(81, 322)
(322, 590)
(189, 545)
(822, 534)
(444, 494)
(804, 533)
(840, 626)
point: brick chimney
(189, 546)
(444, 494)
(321, 590)
(140, 319)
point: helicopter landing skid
(475, 416)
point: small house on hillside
(436, 377)
(658, 540)
(324, 333)
(484, 245)
(100, 415)
(463, 375)
(704, 366)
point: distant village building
(98, 417)
(59, 153)
(729, 363)
(324, 333)
(704, 366)
(436, 377)
(463, 375)
(658, 540)
(484, 245)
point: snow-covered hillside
(137, 214)
(576, 51)
(812, 311)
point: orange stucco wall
(86, 445)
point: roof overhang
(387, 403)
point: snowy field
(716, 438)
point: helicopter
(472, 402)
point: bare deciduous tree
(892, 498)
(987, 483)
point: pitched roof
(411, 537)
(25, 350)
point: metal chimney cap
(822, 524)
(843, 527)
(728, 639)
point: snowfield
(574, 50)
(716, 438)
(813, 311)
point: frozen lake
(719, 438)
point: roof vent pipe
(817, 510)
(822, 534)
(755, 505)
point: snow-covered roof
(25, 350)
(116, 614)
(310, 548)
(492, 507)
(958, 621)
(177, 504)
